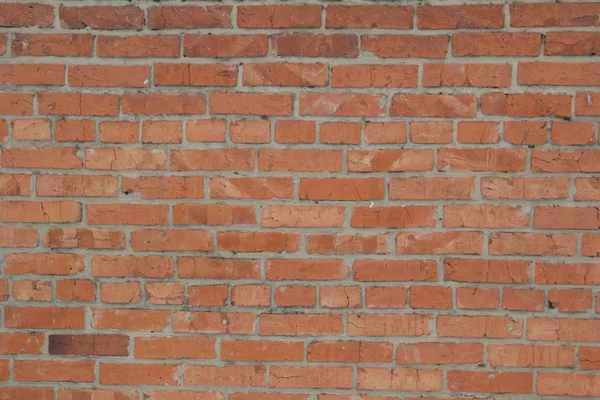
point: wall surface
(311, 201)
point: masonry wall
(311, 201)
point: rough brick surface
(303, 200)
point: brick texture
(305, 200)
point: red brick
(212, 159)
(390, 160)
(489, 159)
(54, 371)
(32, 290)
(570, 300)
(295, 131)
(523, 300)
(130, 320)
(22, 15)
(154, 104)
(302, 216)
(340, 296)
(568, 384)
(213, 295)
(313, 45)
(478, 132)
(76, 185)
(300, 160)
(340, 133)
(430, 297)
(383, 17)
(258, 241)
(550, 14)
(18, 237)
(44, 317)
(232, 375)
(525, 188)
(341, 189)
(251, 103)
(467, 75)
(526, 105)
(251, 295)
(431, 188)
(565, 161)
(206, 130)
(284, 16)
(251, 188)
(246, 131)
(532, 244)
(214, 322)
(588, 357)
(575, 330)
(430, 105)
(374, 76)
(559, 74)
(572, 44)
(76, 290)
(78, 104)
(21, 343)
(479, 327)
(195, 75)
(346, 244)
(59, 45)
(300, 324)
(121, 292)
(174, 347)
(399, 379)
(285, 74)
(587, 104)
(405, 46)
(484, 216)
(350, 352)
(439, 243)
(477, 298)
(577, 273)
(490, 382)
(109, 75)
(395, 271)
(138, 46)
(102, 17)
(496, 44)
(171, 240)
(386, 297)
(290, 269)
(128, 214)
(75, 131)
(525, 133)
(32, 74)
(15, 185)
(342, 104)
(261, 350)
(393, 217)
(388, 325)
(139, 374)
(225, 46)
(295, 296)
(587, 189)
(84, 238)
(189, 17)
(41, 211)
(385, 132)
(439, 353)
(75, 394)
(16, 104)
(460, 17)
(218, 268)
(164, 187)
(566, 218)
(311, 377)
(486, 271)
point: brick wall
(317, 201)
